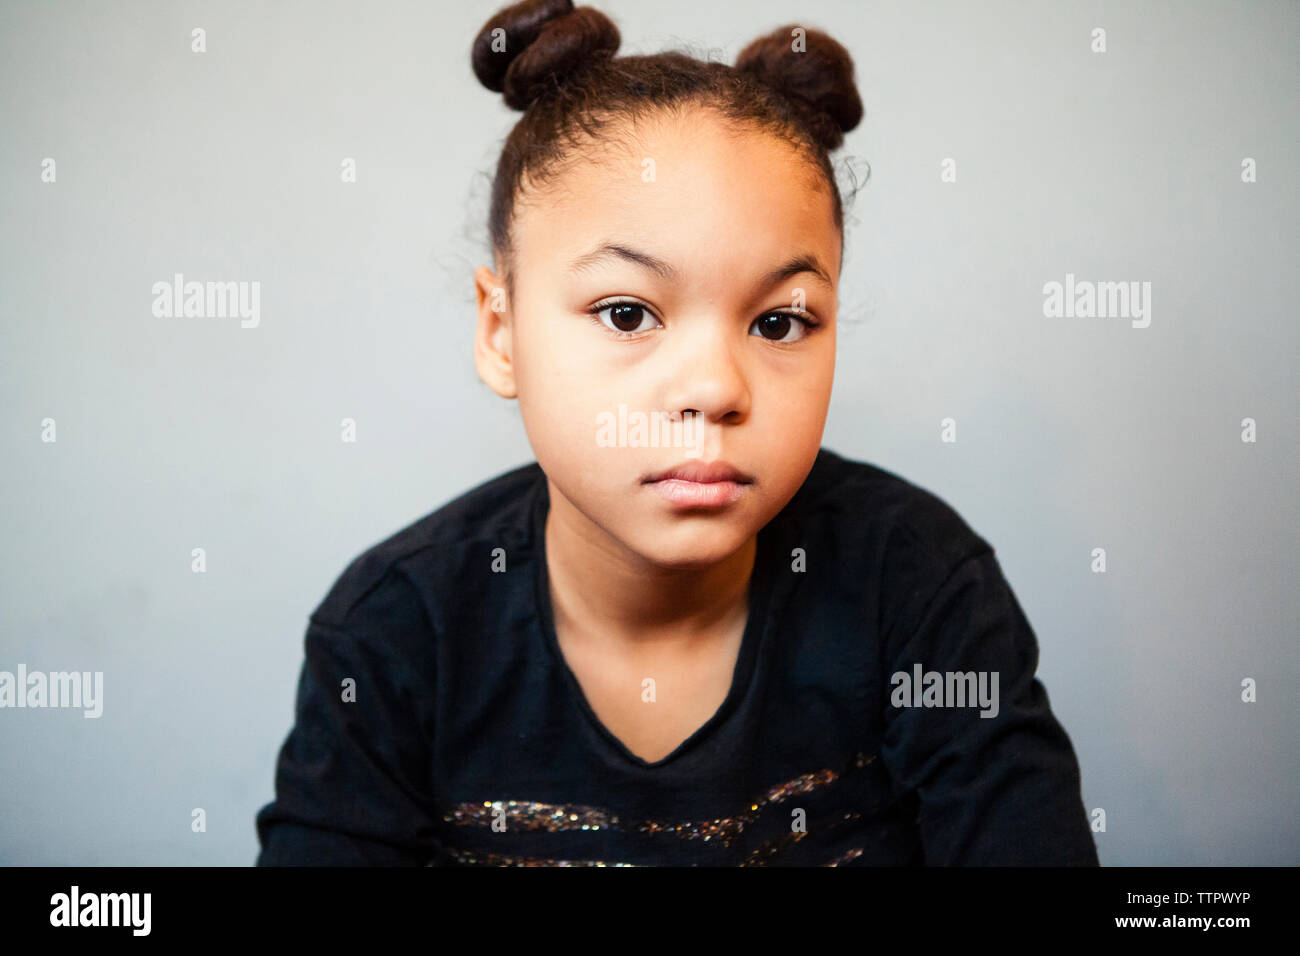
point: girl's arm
(351, 779)
(1002, 789)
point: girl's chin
(703, 549)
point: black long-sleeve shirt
(438, 723)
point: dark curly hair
(556, 63)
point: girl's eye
(776, 326)
(626, 318)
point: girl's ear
(492, 338)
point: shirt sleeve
(351, 783)
(996, 790)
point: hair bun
(818, 75)
(539, 43)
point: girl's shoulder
(396, 572)
(873, 507)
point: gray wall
(1073, 433)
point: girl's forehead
(669, 181)
(688, 255)
(695, 148)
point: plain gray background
(1072, 433)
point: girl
(687, 634)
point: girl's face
(666, 274)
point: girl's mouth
(682, 493)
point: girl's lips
(698, 494)
(703, 471)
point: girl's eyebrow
(805, 262)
